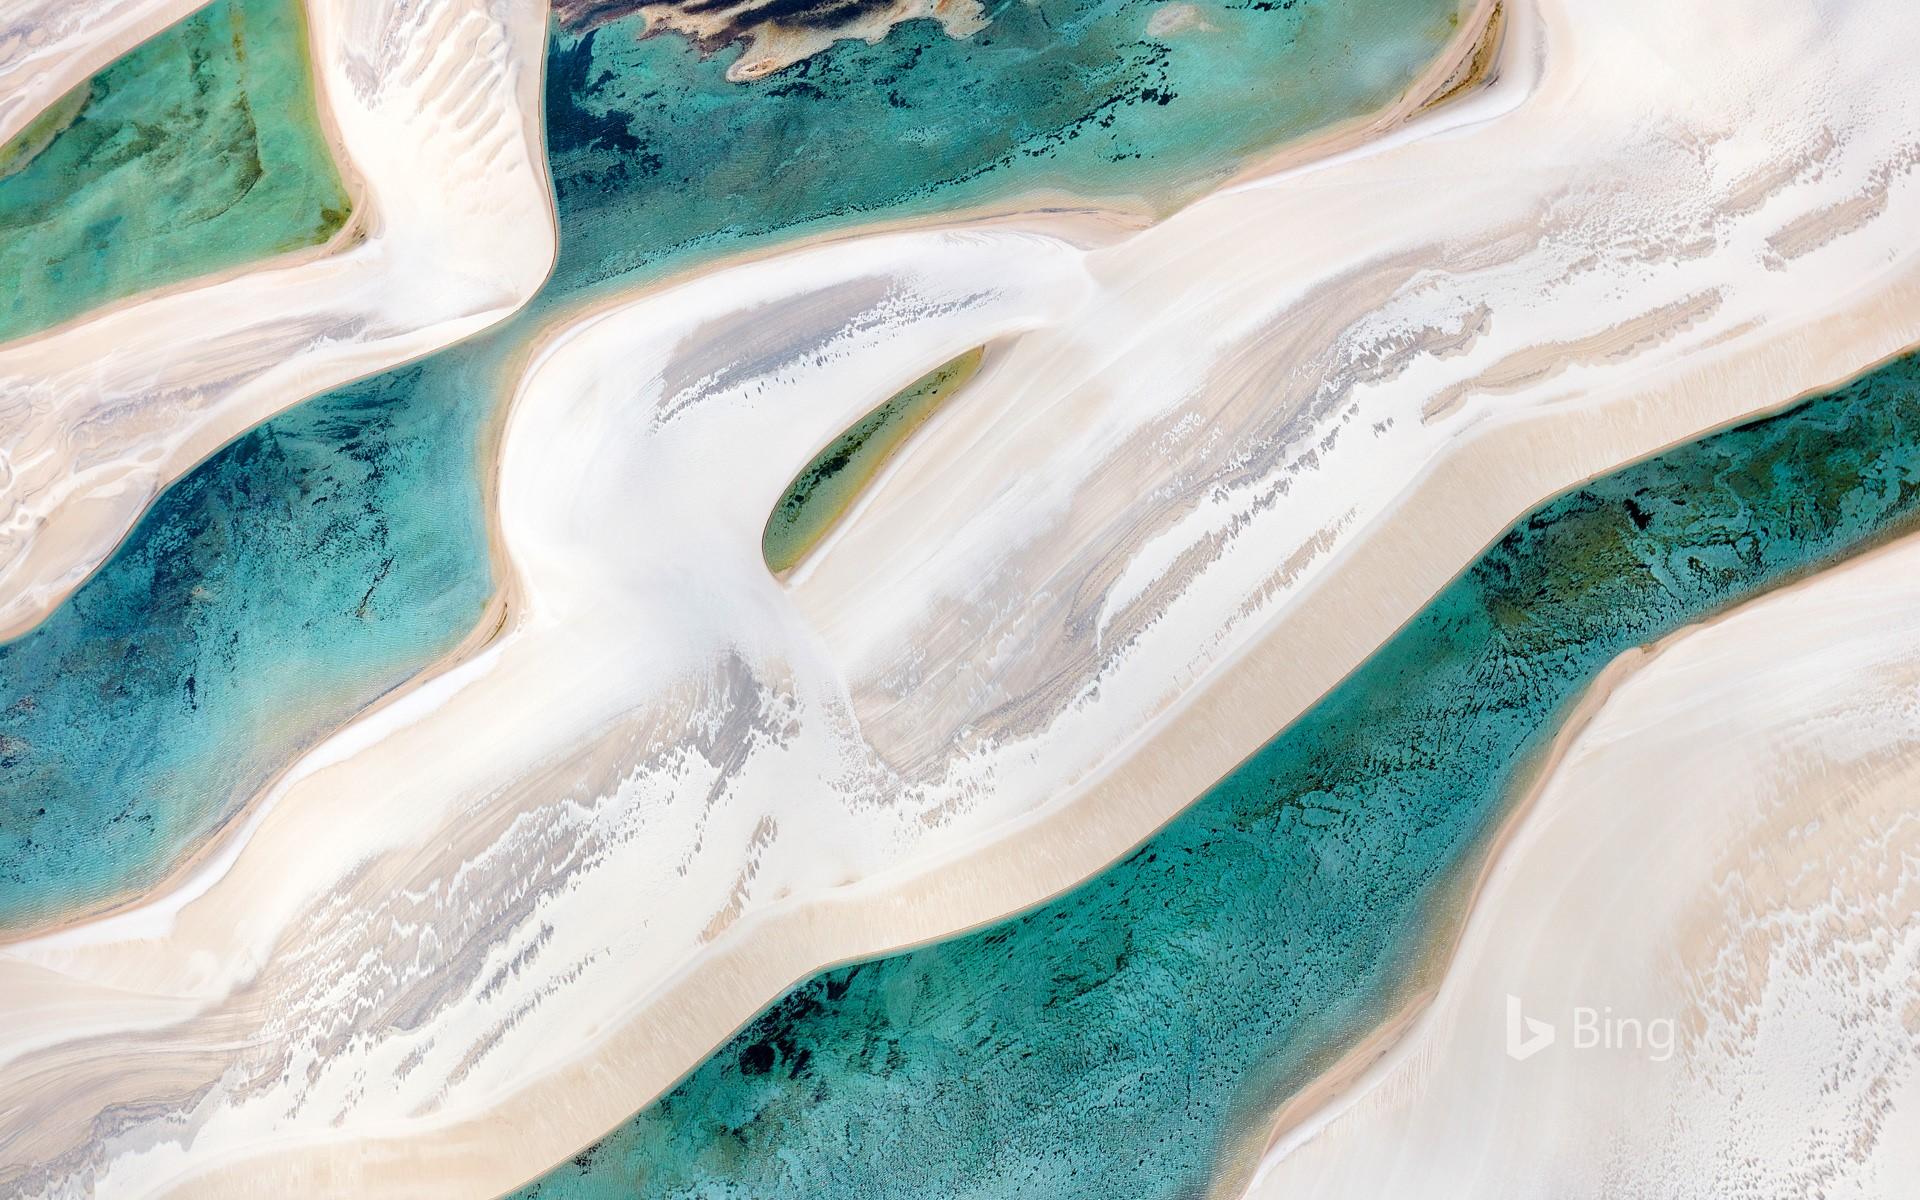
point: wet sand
(1728, 844)
(488, 920)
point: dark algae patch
(826, 488)
(1120, 1041)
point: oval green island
(826, 488)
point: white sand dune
(1731, 845)
(1205, 469)
(434, 118)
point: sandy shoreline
(1219, 296)
(453, 229)
(1368, 1061)
(1786, 725)
(1448, 929)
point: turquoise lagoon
(1120, 1040)
(321, 559)
(1127, 1038)
(199, 150)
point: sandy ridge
(433, 116)
(1078, 476)
(1771, 743)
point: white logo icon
(1538, 1034)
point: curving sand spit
(1204, 469)
(1731, 846)
(434, 117)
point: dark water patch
(1118, 1041)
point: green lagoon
(198, 151)
(826, 488)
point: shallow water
(197, 151)
(1124, 1039)
(321, 559)
(1069, 96)
(826, 488)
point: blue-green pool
(323, 558)
(1122, 1040)
(199, 150)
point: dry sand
(1729, 845)
(1205, 470)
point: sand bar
(434, 120)
(1730, 846)
(1217, 461)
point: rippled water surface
(1128, 1038)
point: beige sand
(433, 115)
(1191, 488)
(1730, 845)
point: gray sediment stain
(826, 488)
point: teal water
(199, 150)
(321, 559)
(1120, 1040)
(296, 577)
(1067, 95)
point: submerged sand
(1720, 871)
(1218, 461)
